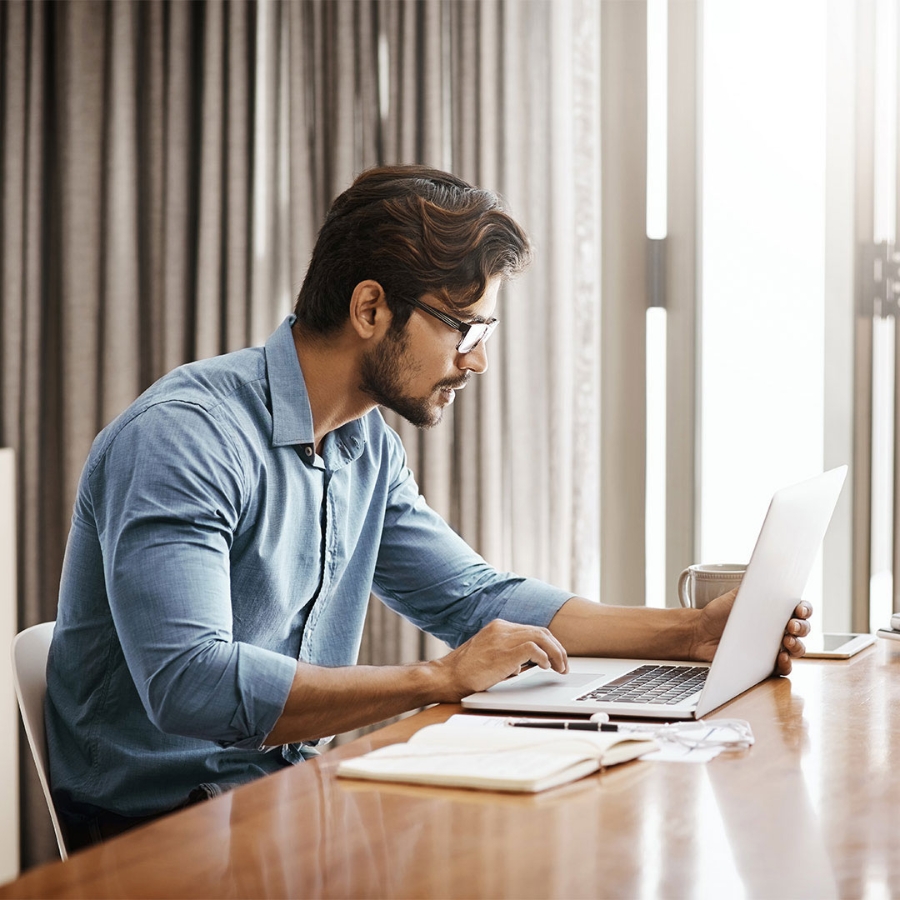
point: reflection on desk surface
(792, 838)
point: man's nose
(475, 360)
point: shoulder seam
(210, 411)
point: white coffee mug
(699, 584)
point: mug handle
(682, 589)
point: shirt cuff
(533, 602)
(264, 682)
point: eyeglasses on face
(472, 333)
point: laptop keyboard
(652, 684)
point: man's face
(417, 371)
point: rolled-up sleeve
(429, 574)
(167, 497)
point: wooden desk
(812, 810)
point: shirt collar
(291, 416)
(292, 421)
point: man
(231, 524)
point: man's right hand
(499, 650)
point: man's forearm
(585, 628)
(328, 701)
(325, 701)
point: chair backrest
(29, 661)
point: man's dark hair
(415, 231)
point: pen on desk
(569, 726)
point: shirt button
(308, 451)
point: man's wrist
(432, 682)
(690, 637)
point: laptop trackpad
(546, 681)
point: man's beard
(382, 370)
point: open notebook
(495, 759)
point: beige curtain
(507, 95)
(165, 167)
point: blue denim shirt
(210, 549)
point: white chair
(29, 661)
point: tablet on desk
(836, 646)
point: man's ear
(369, 312)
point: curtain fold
(165, 168)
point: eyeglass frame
(456, 324)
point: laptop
(773, 584)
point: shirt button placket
(327, 543)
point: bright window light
(657, 113)
(655, 520)
(763, 250)
(657, 186)
(881, 599)
(885, 228)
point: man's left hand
(711, 623)
(791, 645)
